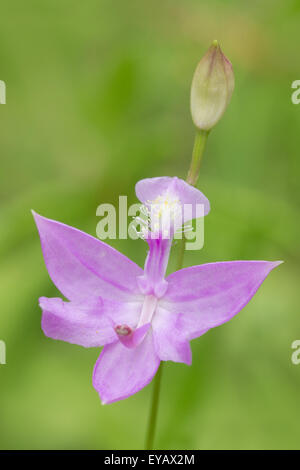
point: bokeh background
(97, 98)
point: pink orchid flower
(140, 316)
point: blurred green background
(97, 98)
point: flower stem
(192, 178)
(198, 151)
(154, 409)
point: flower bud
(212, 87)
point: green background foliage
(97, 98)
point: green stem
(198, 151)
(192, 178)
(154, 409)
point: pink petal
(169, 339)
(121, 372)
(123, 312)
(76, 323)
(82, 266)
(211, 294)
(150, 188)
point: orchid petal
(122, 312)
(211, 294)
(150, 188)
(76, 323)
(169, 340)
(82, 266)
(120, 372)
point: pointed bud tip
(212, 87)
